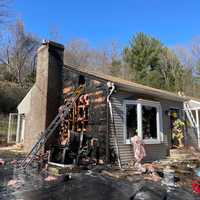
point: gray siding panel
(154, 151)
(126, 153)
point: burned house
(106, 114)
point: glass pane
(149, 124)
(131, 120)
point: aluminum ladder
(51, 128)
(190, 115)
(193, 122)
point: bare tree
(18, 54)
(106, 59)
(184, 55)
(190, 58)
(195, 51)
(171, 70)
(79, 52)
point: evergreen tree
(152, 64)
(142, 56)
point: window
(144, 119)
(131, 120)
(149, 122)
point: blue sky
(101, 21)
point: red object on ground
(196, 186)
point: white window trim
(159, 120)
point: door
(20, 128)
(12, 128)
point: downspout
(111, 88)
(198, 128)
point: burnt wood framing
(97, 91)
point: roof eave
(133, 87)
(152, 93)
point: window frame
(159, 120)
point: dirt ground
(93, 184)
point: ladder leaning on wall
(194, 123)
(51, 128)
(189, 114)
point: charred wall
(97, 109)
